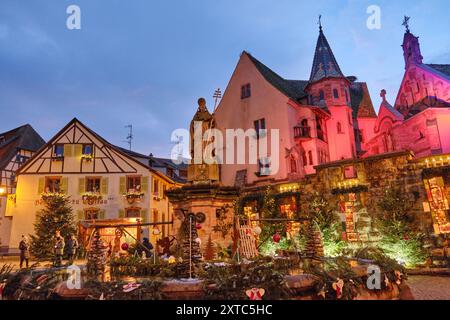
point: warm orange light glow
(2, 191)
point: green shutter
(64, 185)
(104, 186)
(123, 185)
(78, 150)
(102, 214)
(144, 216)
(41, 185)
(121, 213)
(144, 182)
(68, 148)
(81, 185)
(80, 214)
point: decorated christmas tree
(97, 256)
(314, 246)
(210, 252)
(190, 246)
(55, 216)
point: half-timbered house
(106, 184)
(16, 147)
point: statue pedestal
(209, 199)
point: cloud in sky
(146, 62)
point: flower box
(91, 197)
(133, 196)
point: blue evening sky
(145, 62)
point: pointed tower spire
(324, 64)
(411, 46)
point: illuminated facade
(106, 184)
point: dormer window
(246, 91)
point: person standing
(58, 249)
(72, 247)
(24, 251)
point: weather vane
(320, 22)
(217, 95)
(406, 23)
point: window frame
(55, 148)
(93, 178)
(47, 185)
(246, 91)
(134, 184)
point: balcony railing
(301, 132)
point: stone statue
(200, 172)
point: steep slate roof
(444, 69)
(362, 105)
(324, 64)
(24, 137)
(294, 89)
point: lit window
(133, 213)
(246, 91)
(93, 185)
(58, 150)
(91, 214)
(53, 185)
(133, 183)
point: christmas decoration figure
(338, 286)
(96, 259)
(276, 238)
(255, 293)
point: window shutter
(144, 216)
(68, 148)
(80, 214)
(123, 186)
(81, 185)
(64, 185)
(104, 186)
(78, 150)
(121, 213)
(102, 214)
(41, 185)
(144, 182)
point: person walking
(72, 248)
(24, 251)
(58, 250)
(147, 245)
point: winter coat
(59, 246)
(72, 246)
(24, 250)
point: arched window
(339, 127)
(293, 165)
(336, 93)
(310, 156)
(321, 95)
(304, 159)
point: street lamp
(2, 191)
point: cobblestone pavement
(429, 287)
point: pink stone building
(330, 117)
(419, 121)
(326, 118)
